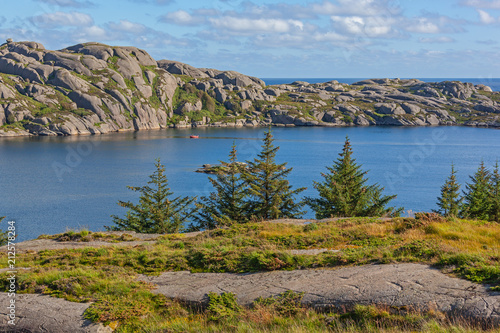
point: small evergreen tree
(495, 195)
(156, 212)
(3, 235)
(450, 201)
(344, 192)
(477, 203)
(227, 204)
(270, 194)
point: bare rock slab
(40, 313)
(412, 285)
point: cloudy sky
(294, 38)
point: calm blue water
(50, 184)
(493, 83)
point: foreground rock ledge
(39, 313)
(413, 285)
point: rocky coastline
(93, 88)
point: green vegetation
(344, 193)
(480, 200)
(449, 202)
(227, 204)
(495, 195)
(477, 196)
(108, 276)
(156, 212)
(3, 234)
(85, 235)
(270, 194)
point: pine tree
(495, 195)
(270, 194)
(226, 205)
(449, 202)
(3, 235)
(344, 192)
(477, 203)
(156, 212)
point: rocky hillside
(93, 88)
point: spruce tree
(344, 192)
(3, 235)
(477, 203)
(156, 211)
(226, 205)
(495, 195)
(270, 194)
(449, 202)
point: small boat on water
(194, 136)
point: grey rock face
(240, 80)
(124, 88)
(64, 78)
(401, 285)
(389, 108)
(39, 313)
(175, 67)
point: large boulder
(63, 78)
(176, 67)
(457, 89)
(240, 80)
(389, 108)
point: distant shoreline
(493, 83)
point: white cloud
(365, 26)
(330, 36)
(487, 42)
(492, 4)
(62, 19)
(245, 25)
(485, 17)
(127, 26)
(92, 33)
(423, 25)
(442, 39)
(152, 2)
(181, 17)
(357, 8)
(68, 3)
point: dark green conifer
(450, 201)
(344, 192)
(226, 205)
(3, 235)
(270, 194)
(156, 211)
(477, 203)
(495, 195)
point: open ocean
(494, 84)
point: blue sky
(316, 38)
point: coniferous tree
(270, 194)
(226, 205)
(156, 212)
(3, 235)
(344, 192)
(495, 195)
(477, 203)
(450, 201)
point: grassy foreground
(107, 276)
